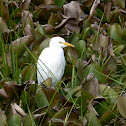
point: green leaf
(40, 98)
(28, 73)
(59, 2)
(92, 119)
(14, 120)
(81, 47)
(96, 70)
(108, 93)
(121, 3)
(114, 15)
(99, 13)
(117, 33)
(101, 107)
(43, 45)
(86, 32)
(118, 49)
(108, 116)
(41, 29)
(28, 121)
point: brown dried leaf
(26, 19)
(95, 4)
(121, 104)
(70, 11)
(3, 118)
(25, 4)
(3, 93)
(19, 110)
(18, 45)
(3, 26)
(47, 2)
(4, 13)
(13, 89)
(13, 109)
(102, 42)
(92, 85)
(51, 93)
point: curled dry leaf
(121, 104)
(70, 11)
(4, 13)
(3, 26)
(19, 110)
(92, 11)
(25, 4)
(92, 85)
(26, 19)
(3, 118)
(13, 109)
(108, 7)
(95, 4)
(13, 90)
(3, 93)
(18, 45)
(48, 82)
(101, 42)
(47, 2)
(52, 96)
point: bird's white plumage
(51, 62)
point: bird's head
(59, 42)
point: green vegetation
(92, 90)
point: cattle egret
(51, 62)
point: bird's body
(51, 62)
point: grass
(72, 101)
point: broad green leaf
(83, 100)
(117, 33)
(53, 20)
(81, 47)
(40, 98)
(62, 112)
(96, 70)
(92, 119)
(108, 93)
(41, 29)
(72, 91)
(85, 33)
(43, 45)
(28, 73)
(99, 13)
(118, 49)
(74, 38)
(121, 3)
(59, 3)
(121, 104)
(14, 120)
(113, 15)
(101, 107)
(28, 121)
(108, 116)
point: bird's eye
(61, 42)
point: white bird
(51, 62)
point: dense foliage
(92, 90)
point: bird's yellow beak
(68, 44)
